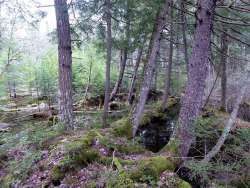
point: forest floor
(36, 153)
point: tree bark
(184, 29)
(156, 38)
(198, 68)
(121, 73)
(229, 124)
(65, 64)
(224, 50)
(211, 91)
(108, 62)
(89, 80)
(170, 59)
(133, 81)
(124, 55)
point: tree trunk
(156, 38)
(224, 50)
(170, 60)
(124, 55)
(198, 69)
(89, 80)
(229, 124)
(65, 64)
(121, 73)
(108, 62)
(211, 91)
(133, 81)
(155, 73)
(184, 29)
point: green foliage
(206, 127)
(46, 74)
(83, 61)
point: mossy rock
(152, 168)
(122, 128)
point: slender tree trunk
(184, 29)
(155, 74)
(198, 69)
(224, 50)
(230, 122)
(37, 95)
(14, 90)
(108, 61)
(133, 81)
(170, 60)
(9, 88)
(125, 54)
(65, 64)
(89, 80)
(156, 38)
(121, 73)
(211, 91)
(178, 62)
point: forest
(125, 93)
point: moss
(146, 118)
(122, 128)
(57, 174)
(172, 147)
(152, 167)
(173, 180)
(7, 181)
(109, 160)
(130, 149)
(183, 184)
(79, 154)
(89, 138)
(84, 157)
(122, 145)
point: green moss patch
(152, 168)
(122, 127)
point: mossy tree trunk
(198, 68)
